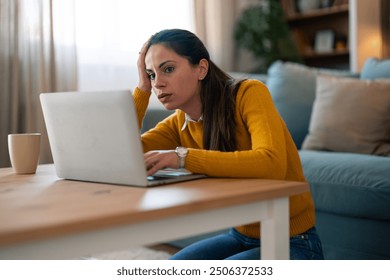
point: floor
(165, 248)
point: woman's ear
(203, 68)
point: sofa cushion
(374, 68)
(153, 116)
(293, 88)
(349, 184)
(350, 115)
(352, 238)
(252, 76)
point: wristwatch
(182, 154)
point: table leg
(275, 241)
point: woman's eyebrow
(165, 62)
(160, 66)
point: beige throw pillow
(350, 115)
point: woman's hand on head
(144, 83)
(156, 160)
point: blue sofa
(351, 190)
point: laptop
(94, 136)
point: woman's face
(175, 81)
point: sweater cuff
(194, 163)
(141, 99)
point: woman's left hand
(156, 160)
(144, 83)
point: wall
(365, 32)
(385, 8)
(214, 24)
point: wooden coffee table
(44, 217)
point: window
(110, 33)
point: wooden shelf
(306, 26)
(315, 55)
(315, 14)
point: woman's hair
(218, 90)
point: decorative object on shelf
(262, 30)
(340, 2)
(326, 3)
(341, 42)
(324, 41)
(303, 6)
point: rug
(138, 253)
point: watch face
(181, 151)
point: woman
(224, 128)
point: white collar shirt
(189, 119)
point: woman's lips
(164, 96)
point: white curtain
(214, 24)
(37, 54)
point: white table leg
(275, 241)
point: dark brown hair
(218, 89)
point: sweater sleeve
(261, 139)
(141, 102)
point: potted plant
(262, 29)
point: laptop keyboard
(156, 178)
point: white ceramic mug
(24, 149)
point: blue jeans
(235, 246)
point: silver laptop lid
(94, 136)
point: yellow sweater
(265, 148)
